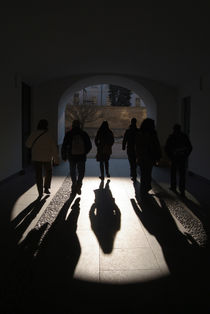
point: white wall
(10, 126)
(199, 125)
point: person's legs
(143, 176)
(182, 177)
(38, 176)
(132, 162)
(48, 176)
(102, 170)
(107, 168)
(146, 176)
(72, 166)
(173, 175)
(81, 174)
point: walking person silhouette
(76, 145)
(104, 140)
(148, 153)
(44, 155)
(178, 148)
(129, 143)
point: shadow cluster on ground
(37, 273)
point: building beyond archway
(131, 84)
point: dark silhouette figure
(148, 152)
(105, 217)
(129, 143)
(21, 222)
(76, 145)
(52, 268)
(44, 155)
(178, 148)
(104, 140)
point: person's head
(76, 124)
(104, 125)
(148, 125)
(133, 121)
(177, 128)
(42, 124)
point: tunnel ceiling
(166, 42)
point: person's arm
(64, 147)
(124, 141)
(97, 139)
(88, 143)
(157, 149)
(55, 154)
(29, 141)
(167, 148)
(112, 138)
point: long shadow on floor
(17, 256)
(45, 268)
(105, 217)
(186, 260)
(45, 265)
(21, 222)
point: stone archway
(104, 79)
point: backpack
(78, 145)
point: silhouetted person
(178, 148)
(44, 154)
(104, 140)
(148, 152)
(129, 143)
(76, 145)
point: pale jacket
(44, 149)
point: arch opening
(130, 84)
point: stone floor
(106, 250)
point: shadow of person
(17, 274)
(183, 256)
(53, 266)
(105, 217)
(21, 222)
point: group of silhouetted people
(142, 146)
(143, 149)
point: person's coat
(147, 147)
(44, 149)
(104, 141)
(128, 141)
(178, 146)
(66, 149)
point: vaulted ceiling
(165, 41)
